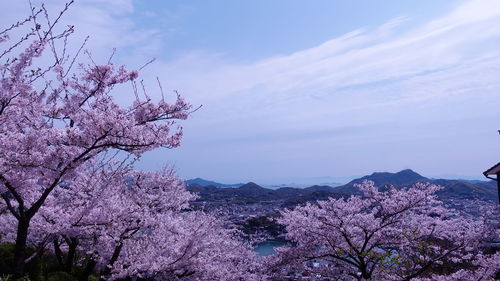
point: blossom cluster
(397, 234)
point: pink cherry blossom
(398, 234)
(51, 126)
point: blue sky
(249, 30)
(296, 90)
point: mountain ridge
(252, 192)
(203, 182)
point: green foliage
(60, 276)
(262, 223)
(6, 278)
(10, 278)
(6, 257)
(45, 268)
(34, 269)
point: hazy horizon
(328, 180)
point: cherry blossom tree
(65, 192)
(53, 118)
(398, 234)
(137, 224)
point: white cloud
(379, 58)
(408, 91)
(109, 24)
(379, 82)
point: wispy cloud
(407, 83)
(388, 79)
(109, 24)
(366, 68)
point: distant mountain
(289, 192)
(306, 182)
(204, 182)
(463, 189)
(381, 179)
(485, 190)
(291, 196)
(320, 188)
(302, 182)
(253, 193)
(247, 193)
(251, 186)
(312, 196)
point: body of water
(266, 248)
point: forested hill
(252, 192)
(462, 189)
(203, 182)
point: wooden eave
(493, 170)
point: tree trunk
(70, 258)
(58, 253)
(91, 263)
(20, 248)
(116, 254)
